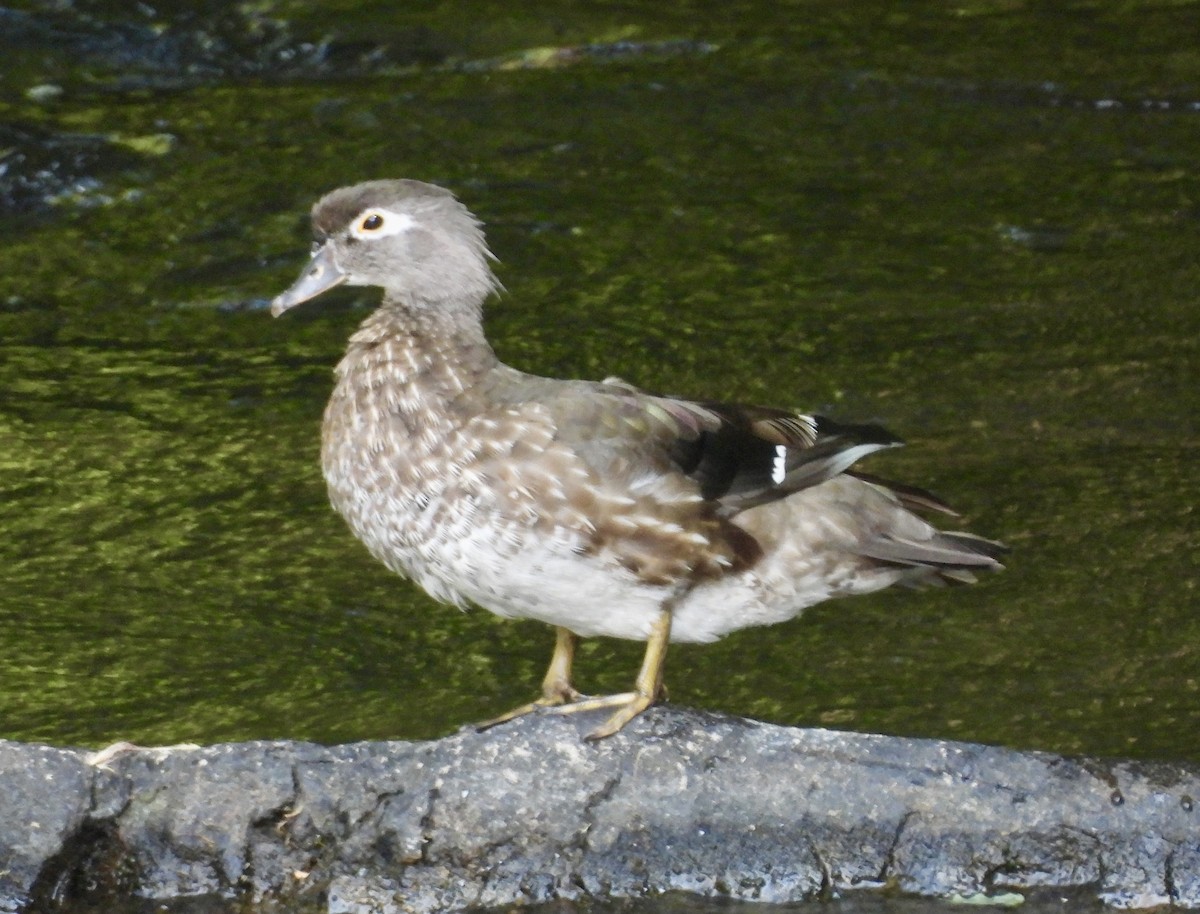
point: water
(1039, 902)
(976, 224)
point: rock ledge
(528, 812)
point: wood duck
(593, 506)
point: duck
(595, 507)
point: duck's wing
(736, 457)
(748, 456)
(661, 481)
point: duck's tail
(950, 556)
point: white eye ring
(378, 222)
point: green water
(926, 215)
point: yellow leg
(556, 686)
(648, 690)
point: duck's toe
(563, 695)
(636, 703)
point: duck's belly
(468, 554)
(594, 597)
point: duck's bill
(321, 275)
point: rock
(529, 812)
(42, 167)
(44, 802)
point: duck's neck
(417, 359)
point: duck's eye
(378, 222)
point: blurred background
(974, 222)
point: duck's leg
(556, 686)
(648, 690)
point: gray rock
(529, 812)
(44, 801)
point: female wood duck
(595, 507)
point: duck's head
(413, 239)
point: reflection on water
(866, 902)
(856, 215)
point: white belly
(515, 573)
